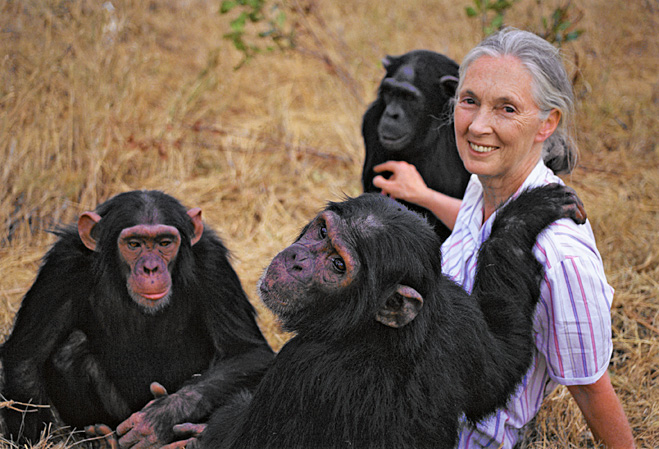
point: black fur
(81, 344)
(346, 380)
(433, 150)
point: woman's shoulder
(565, 240)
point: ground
(96, 99)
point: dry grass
(93, 103)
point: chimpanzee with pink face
(388, 352)
(136, 300)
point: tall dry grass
(94, 102)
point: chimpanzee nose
(298, 262)
(149, 265)
(150, 269)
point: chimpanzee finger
(188, 429)
(106, 437)
(157, 390)
(576, 211)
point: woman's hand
(405, 183)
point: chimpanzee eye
(408, 96)
(339, 265)
(133, 244)
(322, 231)
(165, 243)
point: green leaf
(227, 5)
(471, 12)
(255, 16)
(281, 19)
(573, 35)
(238, 24)
(497, 22)
(255, 4)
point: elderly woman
(513, 99)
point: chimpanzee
(411, 121)
(139, 292)
(389, 352)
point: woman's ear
(548, 125)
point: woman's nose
(481, 122)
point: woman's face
(497, 123)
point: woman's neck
(493, 198)
(497, 190)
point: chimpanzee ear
(401, 307)
(387, 61)
(449, 83)
(86, 224)
(195, 216)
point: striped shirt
(572, 325)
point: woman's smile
(481, 148)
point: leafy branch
(491, 13)
(289, 25)
(254, 12)
(558, 28)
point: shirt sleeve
(573, 319)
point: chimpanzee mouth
(151, 303)
(154, 296)
(391, 142)
(269, 297)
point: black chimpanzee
(139, 292)
(411, 121)
(389, 353)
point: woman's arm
(407, 184)
(604, 414)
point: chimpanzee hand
(103, 435)
(183, 430)
(139, 430)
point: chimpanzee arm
(153, 425)
(507, 288)
(47, 314)
(242, 354)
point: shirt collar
(481, 231)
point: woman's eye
(509, 109)
(339, 265)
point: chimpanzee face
(319, 261)
(404, 110)
(321, 274)
(147, 254)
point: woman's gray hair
(551, 87)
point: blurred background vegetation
(256, 119)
